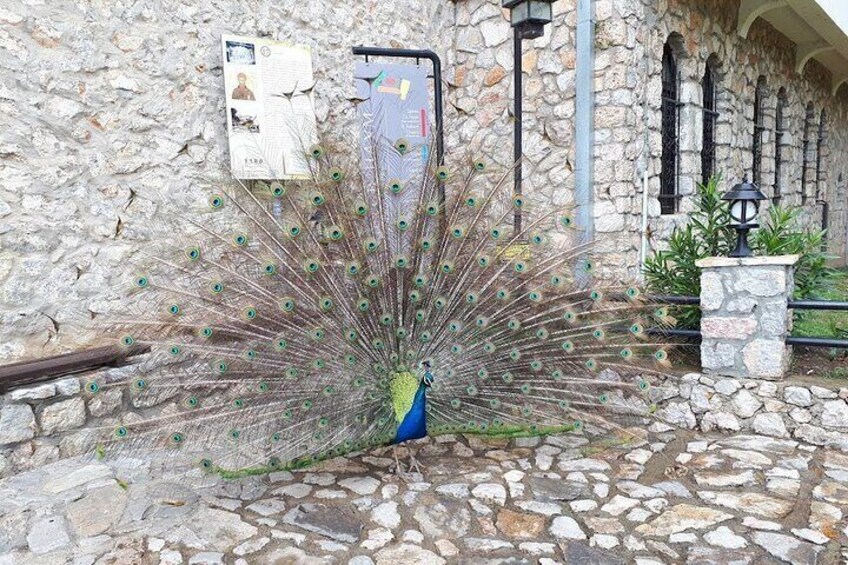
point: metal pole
(517, 149)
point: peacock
(294, 321)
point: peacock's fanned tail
(288, 324)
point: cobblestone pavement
(666, 497)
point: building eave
(819, 29)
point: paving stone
(724, 537)
(566, 527)
(444, 519)
(207, 558)
(519, 525)
(341, 523)
(97, 511)
(491, 492)
(814, 536)
(683, 517)
(267, 507)
(386, 515)
(618, 505)
(832, 491)
(545, 489)
(377, 538)
(581, 553)
(218, 529)
(48, 534)
(744, 478)
(251, 546)
(787, 548)
(360, 485)
(406, 554)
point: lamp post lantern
(744, 201)
(528, 19)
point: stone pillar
(745, 317)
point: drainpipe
(648, 24)
(584, 194)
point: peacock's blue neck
(414, 424)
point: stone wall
(43, 423)
(810, 413)
(107, 106)
(629, 40)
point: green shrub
(709, 234)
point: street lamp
(744, 206)
(528, 19)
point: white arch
(750, 10)
(837, 82)
(806, 51)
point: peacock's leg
(414, 464)
(398, 468)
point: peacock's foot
(415, 466)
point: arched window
(759, 128)
(670, 143)
(805, 150)
(820, 141)
(710, 94)
(779, 116)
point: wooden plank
(24, 373)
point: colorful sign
(395, 133)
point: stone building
(106, 106)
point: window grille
(759, 128)
(670, 138)
(778, 145)
(805, 151)
(820, 141)
(710, 118)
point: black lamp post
(528, 19)
(744, 206)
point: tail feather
(280, 318)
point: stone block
(760, 282)
(716, 356)
(62, 416)
(38, 392)
(769, 424)
(728, 328)
(765, 358)
(835, 415)
(798, 396)
(68, 386)
(745, 404)
(17, 423)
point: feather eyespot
(316, 151)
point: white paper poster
(270, 111)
